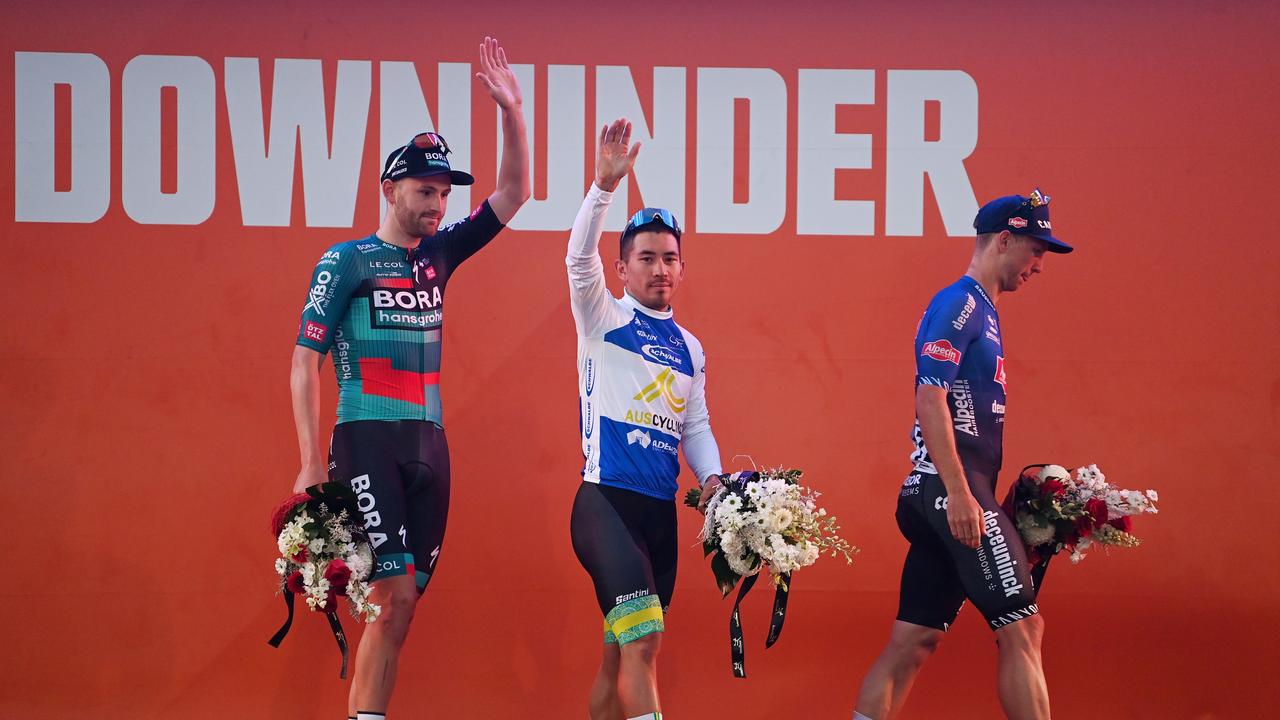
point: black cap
(1020, 216)
(425, 155)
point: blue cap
(1020, 216)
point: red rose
(1097, 509)
(294, 583)
(1084, 526)
(1124, 523)
(300, 556)
(278, 515)
(1053, 487)
(337, 573)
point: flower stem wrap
(737, 649)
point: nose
(1038, 265)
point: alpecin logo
(1017, 222)
(941, 350)
(1000, 376)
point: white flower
(1054, 471)
(1153, 496)
(781, 519)
(281, 566)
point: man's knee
(1024, 634)
(643, 650)
(610, 659)
(398, 603)
(913, 644)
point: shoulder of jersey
(955, 292)
(695, 345)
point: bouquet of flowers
(759, 519)
(767, 518)
(1056, 510)
(323, 553)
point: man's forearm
(514, 184)
(304, 385)
(935, 426)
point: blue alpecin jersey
(958, 348)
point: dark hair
(628, 237)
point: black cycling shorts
(399, 470)
(940, 572)
(627, 544)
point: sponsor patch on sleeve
(941, 350)
(315, 331)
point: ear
(1004, 240)
(388, 190)
(621, 269)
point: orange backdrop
(147, 428)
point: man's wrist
(607, 185)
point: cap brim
(1057, 246)
(1054, 244)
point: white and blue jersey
(958, 349)
(641, 377)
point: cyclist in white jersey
(641, 388)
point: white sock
(859, 716)
(370, 716)
(647, 716)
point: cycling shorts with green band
(626, 542)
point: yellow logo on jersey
(661, 385)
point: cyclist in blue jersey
(963, 546)
(641, 394)
(377, 305)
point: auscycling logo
(662, 385)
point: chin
(657, 301)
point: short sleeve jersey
(958, 348)
(379, 309)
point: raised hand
(497, 77)
(615, 155)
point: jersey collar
(636, 305)
(978, 286)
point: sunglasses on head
(653, 215)
(423, 141)
(1037, 199)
